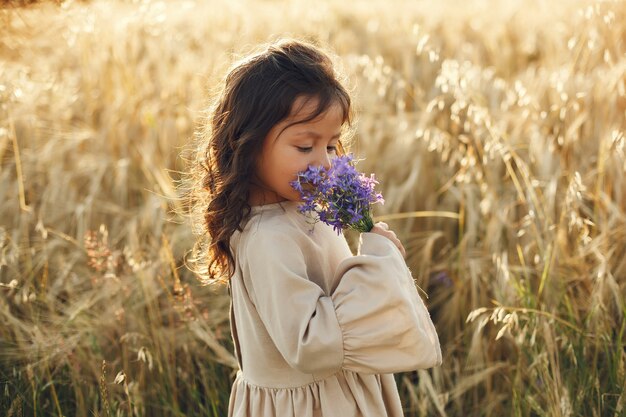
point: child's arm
(374, 321)
(385, 324)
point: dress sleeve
(385, 325)
(373, 322)
(298, 316)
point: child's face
(285, 154)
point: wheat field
(496, 130)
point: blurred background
(496, 130)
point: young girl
(318, 331)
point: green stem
(369, 224)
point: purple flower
(341, 195)
(443, 278)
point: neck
(259, 197)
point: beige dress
(319, 331)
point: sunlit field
(496, 130)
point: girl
(318, 331)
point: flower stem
(367, 223)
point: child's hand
(382, 229)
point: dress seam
(252, 384)
(343, 346)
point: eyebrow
(315, 134)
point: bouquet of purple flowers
(340, 195)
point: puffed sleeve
(385, 325)
(373, 322)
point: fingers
(402, 250)
(382, 229)
(400, 247)
(382, 225)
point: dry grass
(501, 124)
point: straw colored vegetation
(497, 128)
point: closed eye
(328, 148)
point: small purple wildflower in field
(442, 278)
(341, 195)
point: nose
(324, 160)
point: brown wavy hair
(258, 92)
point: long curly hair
(257, 93)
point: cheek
(296, 166)
(290, 171)
(289, 161)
